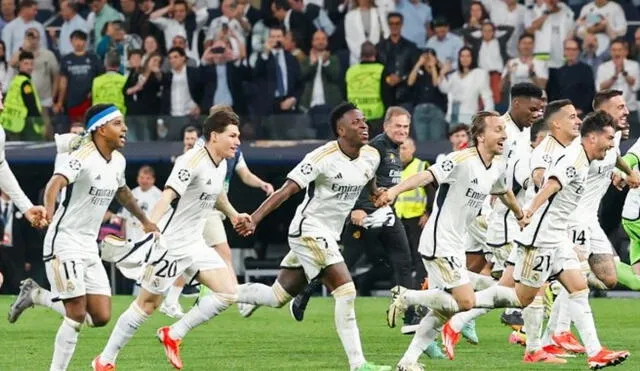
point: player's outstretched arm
(421, 179)
(510, 201)
(128, 201)
(633, 178)
(550, 187)
(56, 183)
(288, 189)
(223, 204)
(167, 197)
(9, 185)
(254, 181)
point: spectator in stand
(222, 78)
(182, 88)
(259, 36)
(189, 138)
(590, 54)
(45, 70)
(22, 117)
(512, 14)
(248, 11)
(109, 87)
(458, 137)
(293, 20)
(603, 18)
(150, 46)
(232, 19)
(72, 21)
(136, 21)
(143, 97)
(525, 68)
(13, 33)
(417, 16)
(180, 41)
(101, 14)
(635, 51)
(573, 81)
(316, 16)
(7, 13)
(364, 23)
(6, 71)
(465, 87)
(277, 74)
(77, 71)
(428, 116)
(551, 23)
(398, 55)
(322, 79)
(134, 62)
(178, 24)
(291, 44)
(364, 86)
(112, 40)
(477, 16)
(622, 74)
(446, 45)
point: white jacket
(354, 31)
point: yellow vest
(14, 116)
(412, 204)
(364, 89)
(107, 88)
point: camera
(218, 50)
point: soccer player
(194, 188)
(93, 176)
(334, 175)
(465, 179)
(544, 249)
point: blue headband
(102, 117)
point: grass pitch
(272, 340)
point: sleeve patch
(27, 89)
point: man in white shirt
(525, 68)
(552, 23)
(182, 102)
(235, 22)
(146, 194)
(176, 24)
(510, 13)
(13, 33)
(72, 21)
(603, 18)
(622, 74)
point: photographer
(222, 77)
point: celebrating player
(334, 175)
(194, 188)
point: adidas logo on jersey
(339, 176)
(98, 177)
(209, 182)
(474, 181)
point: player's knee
(227, 299)
(609, 280)
(149, 303)
(97, 320)
(77, 313)
(466, 304)
(281, 295)
(525, 297)
(347, 291)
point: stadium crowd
(165, 63)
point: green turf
(272, 340)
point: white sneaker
(246, 310)
(24, 300)
(172, 310)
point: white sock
(207, 308)
(173, 294)
(497, 297)
(345, 321)
(258, 294)
(128, 323)
(583, 319)
(458, 321)
(65, 344)
(533, 316)
(426, 334)
(44, 297)
(433, 299)
(564, 314)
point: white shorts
(312, 254)
(500, 255)
(157, 278)
(446, 272)
(72, 278)
(535, 266)
(214, 233)
(476, 236)
(590, 238)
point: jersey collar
(487, 167)
(211, 157)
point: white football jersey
(598, 183)
(8, 183)
(333, 182)
(93, 183)
(548, 228)
(197, 180)
(146, 200)
(546, 154)
(464, 183)
(631, 209)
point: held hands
(267, 188)
(243, 224)
(618, 181)
(525, 219)
(633, 180)
(148, 226)
(384, 197)
(38, 217)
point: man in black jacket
(182, 89)
(222, 79)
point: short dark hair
(596, 122)
(131, 52)
(27, 4)
(367, 50)
(277, 27)
(479, 124)
(337, 113)
(394, 111)
(281, 4)
(112, 59)
(218, 122)
(147, 169)
(94, 110)
(537, 126)
(526, 35)
(555, 106)
(78, 34)
(604, 95)
(178, 50)
(525, 90)
(181, 2)
(25, 55)
(458, 128)
(620, 40)
(395, 15)
(191, 129)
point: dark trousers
(412, 227)
(392, 240)
(12, 261)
